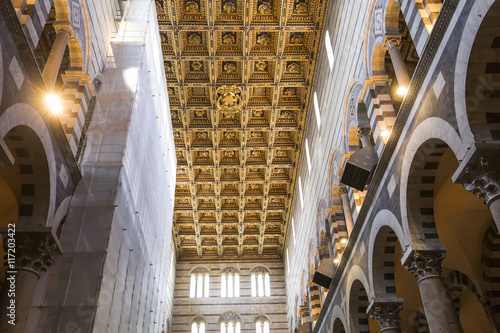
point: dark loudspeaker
(359, 168)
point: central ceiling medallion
(229, 99)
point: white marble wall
(346, 21)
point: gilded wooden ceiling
(239, 77)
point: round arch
(338, 320)
(470, 112)
(76, 55)
(385, 228)
(25, 118)
(433, 131)
(373, 33)
(357, 273)
(357, 305)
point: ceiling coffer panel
(239, 76)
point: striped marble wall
(246, 306)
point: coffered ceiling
(239, 77)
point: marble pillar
(391, 44)
(479, 173)
(364, 136)
(386, 313)
(35, 250)
(438, 306)
(51, 69)
(349, 221)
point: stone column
(438, 306)
(391, 44)
(35, 250)
(479, 173)
(51, 69)
(386, 313)
(349, 221)
(364, 136)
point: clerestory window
(262, 325)
(200, 283)
(198, 325)
(230, 323)
(261, 282)
(230, 282)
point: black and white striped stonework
(383, 263)
(415, 23)
(483, 80)
(315, 297)
(380, 110)
(490, 262)
(36, 21)
(421, 192)
(34, 173)
(338, 230)
(456, 282)
(357, 308)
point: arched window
(200, 279)
(262, 324)
(198, 325)
(261, 282)
(316, 110)
(329, 49)
(230, 282)
(230, 323)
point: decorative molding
(391, 42)
(343, 190)
(423, 264)
(481, 175)
(363, 132)
(36, 248)
(230, 317)
(386, 314)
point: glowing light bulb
(385, 133)
(402, 91)
(54, 103)
(343, 241)
(335, 261)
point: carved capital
(481, 175)
(304, 310)
(391, 42)
(386, 314)
(363, 132)
(425, 263)
(35, 248)
(343, 190)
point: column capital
(36, 248)
(391, 41)
(343, 190)
(386, 313)
(425, 263)
(304, 310)
(363, 132)
(480, 174)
